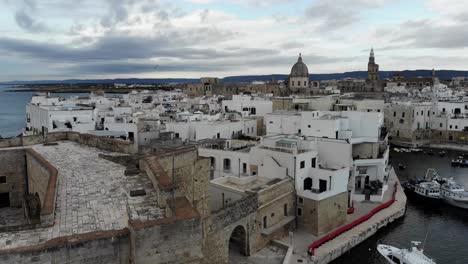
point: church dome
(299, 69)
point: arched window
(308, 183)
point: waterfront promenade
(346, 241)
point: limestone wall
(109, 144)
(172, 242)
(96, 248)
(12, 165)
(42, 179)
(276, 204)
(219, 227)
(319, 217)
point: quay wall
(327, 253)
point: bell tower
(372, 68)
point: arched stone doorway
(238, 245)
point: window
(285, 209)
(403, 114)
(218, 135)
(298, 131)
(2, 179)
(75, 119)
(299, 211)
(443, 110)
(308, 126)
(292, 83)
(244, 168)
(394, 114)
(301, 200)
(456, 127)
(227, 165)
(305, 83)
(422, 113)
(440, 125)
(302, 164)
(264, 222)
(314, 161)
(308, 183)
(450, 126)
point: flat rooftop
(93, 194)
(252, 183)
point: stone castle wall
(97, 247)
(109, 144)
(12, 166)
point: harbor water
(444, 228)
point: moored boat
(454, 194)
(413, 255)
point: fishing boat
(454, 194)
(413, 255)
(449, 191)
(427, 188)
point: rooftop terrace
(93, 194)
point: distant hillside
(442, 74)
(119, 80)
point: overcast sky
(60, 39)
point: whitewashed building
(248, 105)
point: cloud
(28, 23)
(332, 15)
(426, 33)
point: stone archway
(238, 243)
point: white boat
(454, 194)
(413, 255)
(428, 188)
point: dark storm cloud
(246, 63)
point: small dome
(299, 69)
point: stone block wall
(273, 203)
(42, 179)
(172, 242)
(109, 144)
(93, 248)
(218, 229)
(12, 165)
(319, 217)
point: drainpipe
(295, 192)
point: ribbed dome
(299, 69)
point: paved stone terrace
(93, 194)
